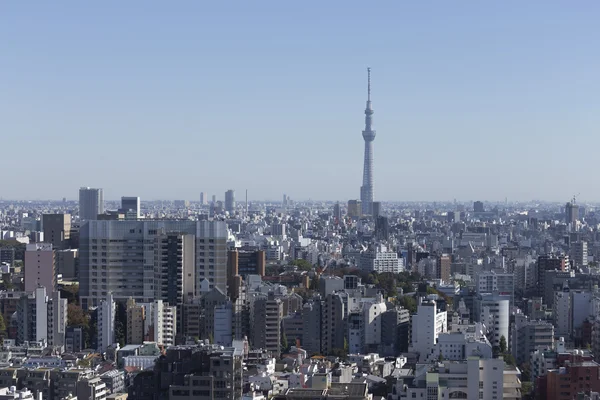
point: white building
(161, 322)
(40, 318)
(106, 323)
(427, 324)
(380, 260)
(491, 282)
(372, 322)
(457, 346)
(493, 311)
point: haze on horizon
(165, 100)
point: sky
(164, 100)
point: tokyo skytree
(366, 190)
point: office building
(130, 207)
(91, 203)
(492, 282)
(381, 260)
(478, 207)
(382, 228)
(337, 213)
(57, 230)
(246, 262)
(355, 208)
(366, 190)
(203, 199)
(67, 263)
(268, 313)
(74, 342)
(376, 209)
(114, 257)
(549, 262)
(39, 267)
(106, 323)
(230, 201)
(572, 377)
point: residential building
(161, 323)
(380, 260)
(444, 264)
(268, 313)
(528, 335)
(136, 317)
(355, 208)
(493, 310)
(42, 318)
(106, 323)
(91, 389)
(492, 282)
(39, 267)
(427, 324)
(117, 256)
(333, 325)
(579, 253)
(311, 321)
(91, 203)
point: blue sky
(167, 99)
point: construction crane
(575, 198)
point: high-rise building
(527, 335)
(57, 230)
(549, 262)
(478, 207)
(333, 322)
(376, 209)
(492, 282)
(203, 199)
(130, 207)
(337, 212)
(268, 313)
(579, 253)
(230, 201)
(136, 316)
(39, 267)
(161, 323)
(311, 320)
(571, 214)
(40, 317)
(174, 268)
(382, 228)
(117, 256)
(493, 311)
(7, 255)
(366, 190)
(91, 203)
(106, 323)
(355, 209)
(427, 324)
(444, 265)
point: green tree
(284, 343)
(2, 327)
(302, 264)
(409, 303)
(76, 316)
(503, 346)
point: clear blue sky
(166, 99)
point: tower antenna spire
(369, 84)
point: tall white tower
(366, 190)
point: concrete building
(333, 326)
(246, 262)
(175, 269)
(268, 313)
(136, 317)
(492, 282)
(91, 203)
(67, 263)
(427, 324)
(161, 323)
(42, 318)
(106, 323)
(354, 208)
(478, 207)
(395, 331)
(563, 322)
(311, 321)
(444, 264)
(39, 267)
(116, 256)
(549, 262)
(230, 201)
(222, 325)
(74, 339)
(493, 310)
(579, 253)
(380, 260)
(57, 230)
(572, 214)
(130, 207)
(527, 336)
(91, 389)
(7, 255)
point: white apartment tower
(106, 323)
(427, 324)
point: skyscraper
(366, 190)
(91, 203)
(230, 201)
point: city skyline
(470, 99)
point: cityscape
(109, 293)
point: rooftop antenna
(369, 84)
(246, 203)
